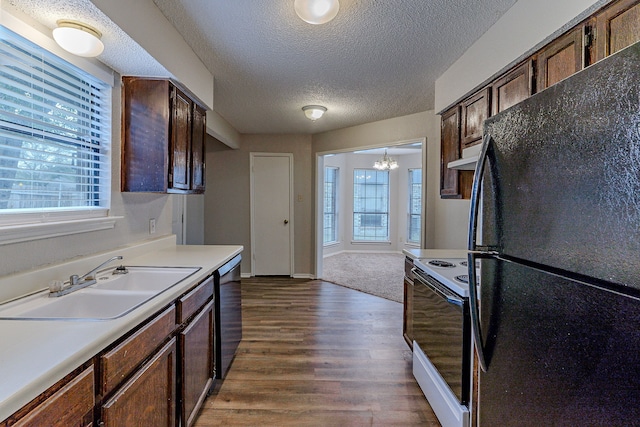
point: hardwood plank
(317, 354)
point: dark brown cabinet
(560, 59)
(475, 111)
(163, 134)
(612, 28)
(512, 88)
(196, 346)
(617, 27)
(449, 151)
(407, 315)
(70, 405)
(148, 398)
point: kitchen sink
(113, 296)
(152, 279)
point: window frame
(334, 213)
(410, 204)
(32, 224)
(383, 215)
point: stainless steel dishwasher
(228, 316)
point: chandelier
(385, 163)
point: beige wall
(227, 204)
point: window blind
(54, 133)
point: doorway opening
(362, 210)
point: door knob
(286, 221)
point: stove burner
(440, 263)
(464, 278)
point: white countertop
(435, 253)
(36, 354)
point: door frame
(319, 194)
(289, 156)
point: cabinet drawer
(188, 304)
(119, 362)
(71, 405)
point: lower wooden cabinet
(407, 317)
(159, 374)
(196, 348)
(71, 405)
(148, 398)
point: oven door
(442, 330)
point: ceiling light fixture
(78, 38)
(316, 11)
(313, 112)
(385, 163)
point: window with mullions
(330, 224)
(55, 132)
(415, 206)
(370, 205)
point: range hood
(469, 158)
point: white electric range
(442, 347)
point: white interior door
(272, 214)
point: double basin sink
(112, 296)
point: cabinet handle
(286, 221)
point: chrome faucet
(78, 282)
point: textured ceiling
(376, 60)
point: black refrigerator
(555, 228)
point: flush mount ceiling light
(78, 38)
(316, 11)
(313, 112)
(385, 163)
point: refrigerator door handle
(473, 228)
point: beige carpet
(373, 273)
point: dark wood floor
(317, 354)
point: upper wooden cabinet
(163, 136)
(560, 59)
(449, 151)
(617, 27)
(475, 111)
(512, 88)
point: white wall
(398, 189)
(525, 27)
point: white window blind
(55, 125)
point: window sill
(27, 232)
(331, 244)
(370, 242)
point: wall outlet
(152, 226)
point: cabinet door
(72, 405)
(198, 150)
(512, 88)
(449, 151)
(180, 175)
(196, 344)
(407, 320)
(617, 27)
(148, 398)
(560, 59)
(475, 110)
(145, 134)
